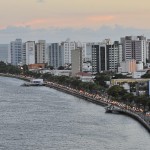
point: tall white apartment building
(40, 52)
(16, 52)
(28, 53)
(114, 53)
(66, 48)
(134, 47)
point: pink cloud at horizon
(75, 22)
(88, 21)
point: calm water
(40, 118)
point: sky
(79, 20)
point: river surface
(41, 118)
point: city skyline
(79, 20)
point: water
(40, 118)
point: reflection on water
(40, 118)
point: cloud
(68, 21)
(61, 34)
(101, 18)
(33, 23)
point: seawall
(139, 117)
(15, 76)
(77, 94)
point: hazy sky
(60, 19)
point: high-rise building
(106, 56)
(76, 60)
(66, 48)
(40, 52)
(114, 56)
(55, 56)
(28, 53)
(4, 52)
(134, 47)
(86, 51)
(16, 52)
(24, 54)
(99, 57)
(148, 51)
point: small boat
(111, 109)
(108, 109)
(35, 82)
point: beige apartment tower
(40, 51)
(76, 60)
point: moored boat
(35, 82)
(108, 109)
(111, 109)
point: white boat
(35, 82)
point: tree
(13, 69)
(3, 67)
(101, 78)
(119, 76)
(116, 91)
(147, 75)
(50, 67)
(139, 100)
(60, 68)
(133, 86)
(46, 76)
(25, 68)
(128, 97)
(148, 104)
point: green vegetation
(101, 78)
(147, 75)
(61, 68)
(9, 68)
(116, 92)
(17, 70)
(73, 82)
(119, 76)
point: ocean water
(41, 118)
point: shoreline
(139, 117)
(99, 100)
